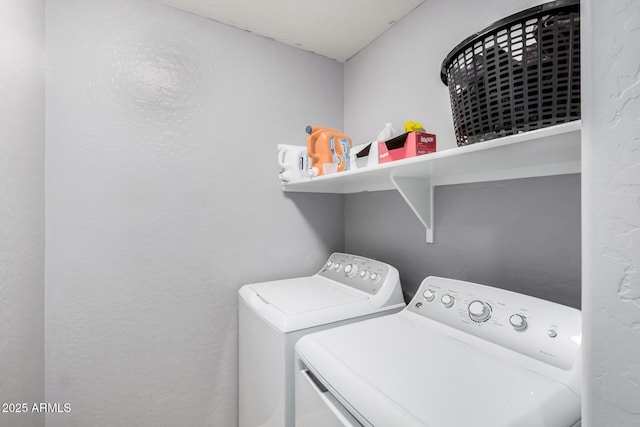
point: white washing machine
(274, 315)
(460, 354)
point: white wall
(611, 209)
(163, 199)
(22, 208)
(521, 235)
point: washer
(460, 354)
(274, 315)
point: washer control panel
(362, 273)
(540, 329)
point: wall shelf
(549, 151)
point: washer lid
(296, 296)
(305, 302)
(397, 370)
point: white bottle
(387, 133)
(294, 162)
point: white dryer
(460, 354)
(274, 315)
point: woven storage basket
(521, 73)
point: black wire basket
(521, 73)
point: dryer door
(316, 407)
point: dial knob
(375, 277)
(447, 300)
(429, 295)
(518, 322)
(364, 274)
(350, 270)
(479, 311)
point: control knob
(350, 270)
(429, 295)
(518, 322)
(479, 311)
(447, 300)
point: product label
(340, 152)
(426, 143)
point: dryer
(274, 315)
(460, 354)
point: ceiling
(337, 29)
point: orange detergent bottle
(329, 149)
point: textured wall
(522, 235)
(163, 199)
(611, 173)
(22, 209)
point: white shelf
(548, 151)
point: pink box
(408, 144)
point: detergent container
(329, 150)
(294, 162)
